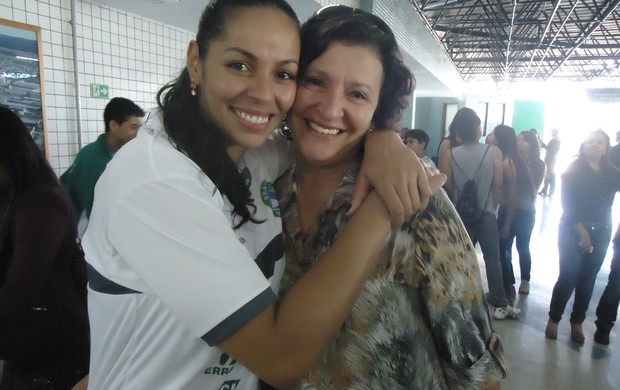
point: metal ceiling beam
(554, 38)
(574, 39)
(482, 34)
(440, 5)
(512, 20)
(589, 32)
(551, 59)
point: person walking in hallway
(517, 209)
(607, 309)
(481, 163)
(551, 155)
(588, 189)
(122, 119)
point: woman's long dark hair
(506, 139)
(202, 141)
(604, 163)
(464, 125)
(20, 159)
(533, 153)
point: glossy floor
(540, 364)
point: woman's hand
(585, 242)
(398, 176)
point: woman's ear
(194, 63)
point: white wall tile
(134, 56)
(18, 4)
(6, 12)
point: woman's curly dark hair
(352, 26)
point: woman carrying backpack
(481, 163)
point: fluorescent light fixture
(26, 58)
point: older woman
(420, 321)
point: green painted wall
(528, 114)
(429, 116)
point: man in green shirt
(122, 119)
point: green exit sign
(99, 90)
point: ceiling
(488, 40)
(185, 14)
(510, 40)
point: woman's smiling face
(595, 146)
(336, 100)
(247, 81)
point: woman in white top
(184, 243)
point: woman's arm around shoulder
(282, 343)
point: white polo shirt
(169, 278)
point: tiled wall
(132, 55)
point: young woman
(444, 155)
(588, 189)
(43, 317)
(525, 212)
(184, 242)
(517, 195)
(420, 321)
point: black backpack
(467, 201)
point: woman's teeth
(323, 130)
(259, 120)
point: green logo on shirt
(268, 194)
(227, 364)
(229, 385)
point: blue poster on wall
(20, 76)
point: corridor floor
(536, 363)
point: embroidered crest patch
(268, 194)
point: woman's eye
(240, 66)
(284, 75)
(313, 81)
(359, 96)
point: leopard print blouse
(421, 321)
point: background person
(184, 263)
(517, 195)
(607, 308)
(43, 317)
(525, 213)
(417, 140)
(482, 163)
(551, 156)
(122, 119)
(588, 189)
(444, 155)
(420, 321)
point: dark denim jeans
(521, 230)
(549, 186)
(577, 271)
(486, 233)
(607, 309)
